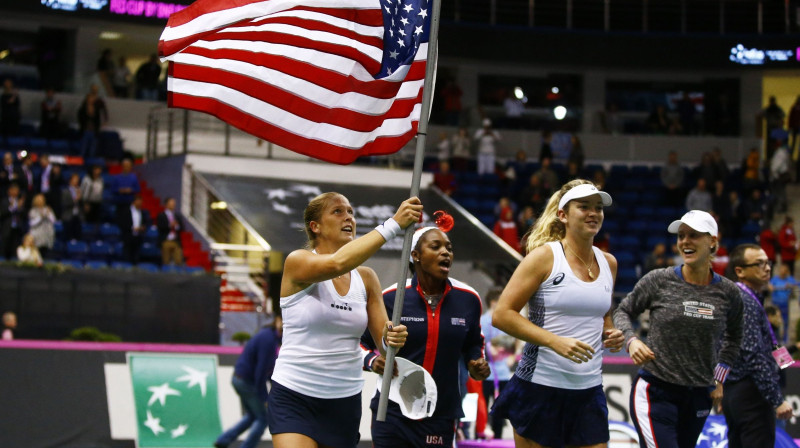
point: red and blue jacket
(438, 339)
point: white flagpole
(419, 157)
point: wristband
(628, 344)
(721, 372)
(389, 229)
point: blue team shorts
(332, 422)
(554, 417)
(399, 431)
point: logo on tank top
(559, 278)
(699, 310)
(343, 307)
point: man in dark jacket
(133, 223)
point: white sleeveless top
(567, 306)
(320, 356)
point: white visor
(698, 220)
(582, 191)
(413, 389)
(415, 239)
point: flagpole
(419, 157)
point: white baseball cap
(582, 191)
(413, 389)
(698, 220)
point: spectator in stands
(516, 171)
(9, 325)
(545, 149)
(12, 220)
(460, 146)
(170, 226)
(251, 373)
(444, 179)
(576, 153)
(50, 118)
(658, 121)
(687, 112)
(794, 123)
(72, 208)
(699, 198)
(720, 165)
(783, 287)
(768, 241)
(599, 178)
(105, 71)
(9, 172)
(487, 139)
(788, 243)
(754, 207)
(721, 205)
(773, 116)
(122, 78)
(780, 174)
(27, 179)
(126, 184)
(451, 94)
(443, 147)
(147, 79)
(10, 111)
(514, 108)
(92, 187)
(534, 195)
(657, 258)
(28, 253)
(573, 172)
(92, 116)
(751, 171)
(133, 223)
(611, 121)
(41, 224)
(707, 170)
(525, 220)
(672, 178)
(735, 220)
(506, 229)
(550, 181)
(50, 182)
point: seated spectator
(720, 165)
(126, 184)
(460, 145)
(41, 224)
(506, 228)
(658, 258)
(50, 120)
(71, 208)
(133, 223)
(672, 178)
(546, 149)
(170, 225)
(754, 207)
(48, 181)
(751, 171)
(12, 221)
(9, 325)
(28, 253)
(699, 198)
(92, 194)
(783, 286)
(444, 179)
(549, 178)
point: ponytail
(548, 227)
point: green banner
(176, 400)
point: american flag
(331, 79)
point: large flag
(331, 79)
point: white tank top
(320, 356)
(567, 306)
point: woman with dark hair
(556, 397)
(327, 300)
(443, 317)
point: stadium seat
(151, 235)
(76, 264)
(194, 269)
(89, 231)
(172, 269)
(110, 233)
(59, 147)
(121, 265)
(77, 250)
(100, 250)
(96, 264)
(148, 267)
(150, 252)
(625, 258)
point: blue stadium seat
(77, 250)
(77, 264)
(625, 258)
(89, 231)
(59, 147)
(38, 144)
(172, 269)
(17, 143)
(194, 270)
(487, 219)
(638, 227)
(100, 250)
(96, 264)
(150, 251)
(470, 204)
(121, 265)
(626, 279)
(149, 267)
(117, 250)
(57, 251)
(110, 233)
(627, 242)
(151, 235)
(750, 229)
(640, 171)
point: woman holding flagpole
(327, 300)
(556, 396)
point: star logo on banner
(179, 431)
(311, 190)
(194, 378)
(160, 393)
(278, 193)
(283, 208)
(153, 423)
(714, 433)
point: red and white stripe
(641, 412)
(296, 73)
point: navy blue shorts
(399, 431)
(554, 417)
(332, 422)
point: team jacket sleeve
(755, 354)
(474, 343)
(636, 302)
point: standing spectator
(12, 221)
(720, 165)
(754, 207)
(546, 148)
(699, 198)
(133, 223)
(693, 339)
(487, 139)
(27, 178)
(105, 71)
(147, 79)
(773, 116)
(506, 229)
(72, 208)
(122, 78)
(514, 108)
(788, 243)
(170, 225)
(10, 112)
(460, 146)
(501, 355)
(550, 181)
(41, 224)
(783, 286)
(50, 119)
(9, 172)
(707, 170)
(780, 174)
(768, 241)
(658, 258)
(611, 121)
(576, 153)
(672, 177)
(721, 206)
(92, 116)
(49, 182)
(794, 123)
(753, 396)
(92, 187)
(445, 180)
(28, 253)
(251, 373)
(686, 114)
(9, 325)
(452, 102)
(658, 122)
(443, 147)
(751, 171)
(126, 184)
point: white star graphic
(718, 430)
(391, 32)
(701, 438)
(402, 32)
(306, 189)
(160, 393)
(282, 208)
(388, 71)
(388, 10)
(393, 54)
(408, 8)
(279, 193)
(179, 431)
(400, 42)
(153, 423)
(404, 21)
(423, 13)
(418, 29)
(194, 377)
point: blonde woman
(556, 397)
(41, 222)
(27, 253)
(694, 336)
